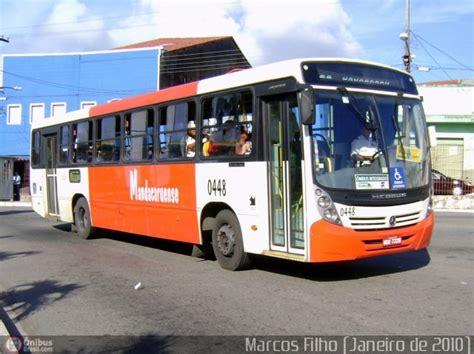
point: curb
(16, 204)
(442, 210)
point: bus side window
(138, 135)
(226, 125)
(173, 130)
(64, 145)
(108, 139)
(36, 149)
(82, 142)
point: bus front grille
(384, 222)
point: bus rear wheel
(82, 219)
(227, 242)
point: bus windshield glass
(369, 142)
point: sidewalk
(25, 201)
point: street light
(16, 88)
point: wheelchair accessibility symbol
(397, 177)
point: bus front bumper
(330, 243)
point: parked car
(444, 185)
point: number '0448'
(216, 187)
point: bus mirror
(307, 106)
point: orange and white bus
(264, 161)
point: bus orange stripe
(158, 201)
(169, 94)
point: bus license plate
(392, 241)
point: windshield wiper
(354, 106)
(397, 127)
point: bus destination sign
(357, 75)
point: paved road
(53, 283)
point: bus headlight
(324, 202)
(326, 208)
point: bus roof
(278, 70)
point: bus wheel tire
(227, 242)
(82, 219)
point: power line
(427, 52)
(418, 37)
(73, 88)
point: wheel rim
(82, 218)
(226, 240)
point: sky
(441, 37)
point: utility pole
(406, 38)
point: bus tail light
(326, 208)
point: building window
(36, 112)
(58, 108)
(14, 114)
(88, 104)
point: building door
(51, 182)
(6, 179)
(283, 134)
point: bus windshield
(369, 142)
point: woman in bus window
(243, 145)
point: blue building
(43, 85)
(38, 86)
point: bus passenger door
(51, 183)
(284, 149)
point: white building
(449, 107)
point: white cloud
(283, 30)
(70, 26)
(265, 31)
(174, 19)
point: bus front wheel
(227, 242)
(82, 219)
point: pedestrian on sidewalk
(16, 187)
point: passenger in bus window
(191, 140)
(243, 145)
(99, 156)
(74, 145)
(127, 139)
(206, 142)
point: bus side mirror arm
(306, 101)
